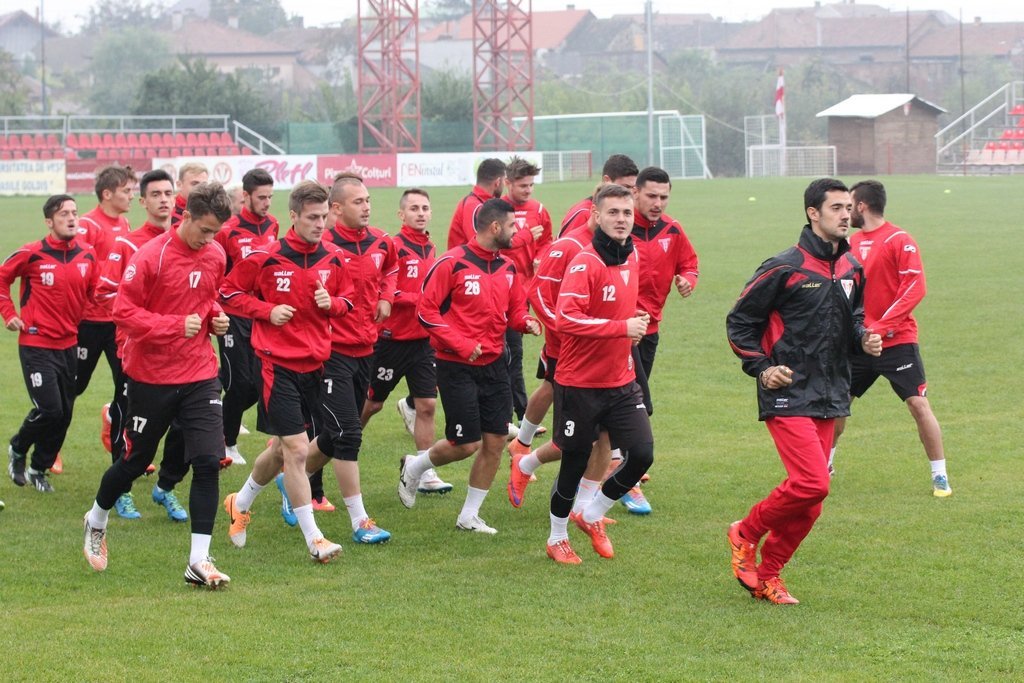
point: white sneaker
(431, 483)
(242, 431)
(406, 485)
(513, 431)
(474, 524)
(408, 415)
(206, 574)
(95, 547)
(236, 457)
(323, 551)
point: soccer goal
(767, 156)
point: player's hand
(281, 314)
(322, 296)
(776, 377)
(219, 324)
(193, 323)
(636, 327)
(477, 350)
(383, 311)
(16, 324)
(872, 343)
(533, 327)
(682, 286)
(536, 231)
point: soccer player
(490, 176)
(795, 326)
(251, 228)
(618, 169)
(595, 382)
(190, 176)
(156, 195)
(370, 261)
(58, 277)
(115, 186)
(291, 289)
(895, 286)
(167, 307)
(533, 234)
(470, 296)
(403, 348)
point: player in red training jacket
(190, 176)
(403, 349)
(490, 176)
(469, 298)
(58, 278)
(618, 169)
(291, 290)
(251, 228)
(167, 308)
(895, 286)
(595, 383)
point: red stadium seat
(163, 152)
(166, 140)
(1007, 134)
(52, 141)
(3, 142)
(70, 154)
(246, 151)
(39, 140)
(179, 140)
(186, 152)
(18, 154)
(27, 142)
(32, 154)
(144, 140)
(1018, 110)
(191, 140)
(175, 152)
(120, 141)
(95, 141)
(71, 140)
(108, 140)
(46, 154)
(148, 152)
(203, 140)
(6, 154)
(132, 140)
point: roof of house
(871, 106)
(11, 18)
(550, 29)
(994, 39)
(213, 39)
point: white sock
(424, 452)
(938, 467)
(474, 499)
(585, 493)
(356, 511)
(529, 463)
(98, 516)
(308, 525)
(418, 465)
(247, 494)
(200, 548)
(559, 529)
(831, 456)
(526, 431)
(596, 508)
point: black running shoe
(16, 466)
(39, 480)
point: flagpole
(780, 113)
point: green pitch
(894, 583)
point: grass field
(894, 583)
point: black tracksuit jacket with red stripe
(803, 308)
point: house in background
(21, 33)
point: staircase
(988, 139)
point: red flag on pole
(780, 102)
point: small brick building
(883, 134)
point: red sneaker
(323, 505)
(598, 538)
(744, 558)
(517, 480)
(774, 591)
(562, 553)
(58, 466)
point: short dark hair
(490, 170)
(257, 177)
(872, 193)
(519, 168)
(152, 177)
(306, 192)
(54, 203)
(340, 181)
(209, 199)
(490, 211)
(611, 191)
(652, 174)
(619, 166)
(817, 192)
(411, 190)
(112, 177)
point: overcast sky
(319, 13)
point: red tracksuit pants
(790, 510)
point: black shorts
(95, 339)
(900, 364)
(289, 401)
(546, 366)
(194, 407)
(412, 359)
(239, 368)
(342, 395)
(581, 413)
(475, 398)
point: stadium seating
(117, 145)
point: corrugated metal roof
(873, 106)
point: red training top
(524, 247)
(463, 225)
(416, 255)
(664, 251)
(99, 230)
(543, 290)
(577, 216)
(244, 232)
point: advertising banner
(81, 173)
(376, 170)
(287, 170)
(24, 177)
(432, 170)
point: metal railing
(963, 134)
(146, 124)
(247, 137)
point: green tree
(13, 91)
(447, 95)
(446, 10)
(255, 16)
(119, 63)
(122, 14)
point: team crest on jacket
(865, 249)
(324, 274)
(377, 260)
(847, 287)
(625, 276)
(83, 268)
(509, 277)
(129, 274)
(665, 242)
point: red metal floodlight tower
(502, 75)
(388, 90)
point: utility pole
(649, 15)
